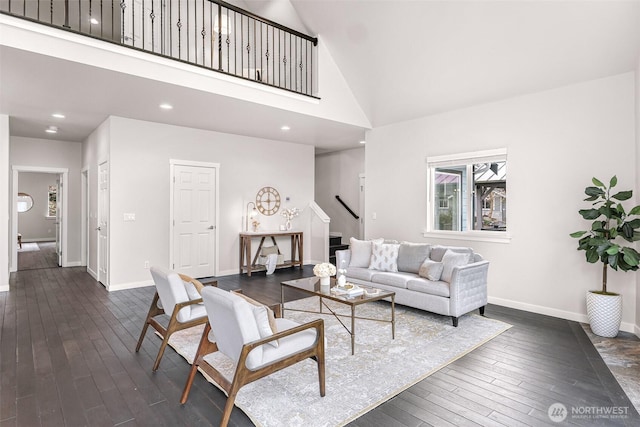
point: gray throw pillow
(437, 252)
(449, 261)
(412, 255)
(431, 270)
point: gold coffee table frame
(311, 286)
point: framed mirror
(25, 202)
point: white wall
(139, 183)
(56, 154)
(337, 173)
(95, 150)
(5, 199)
(34, 225)
(557, 141)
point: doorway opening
(38, 218)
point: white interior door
(103, 223)
(194, 220)
(59, 213)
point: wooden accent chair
(176, 294)
(242, 333)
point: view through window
(468, 192)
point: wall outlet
(146, 265)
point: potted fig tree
(611, 227)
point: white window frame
(461, 159)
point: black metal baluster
(241, 44)
(66, 13)
(153, 28)
(179, 25)
(203, 32)
(291, 64)
(101, 21)
(144, 33)
(248, 49)
(284, 61)
(113, 36)
(235, 43)
(267, 54)
(211, 24)
(162, 30)
(261, 48)
(38, 9)
(255, 50)
(228, 41)
(133, 23)
(123, 5)
(90, 17)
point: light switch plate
(129, 216)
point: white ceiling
(402, 60)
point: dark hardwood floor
(67, 359)
(44, 257)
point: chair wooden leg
(163, 346)
(228, 407)
(196, 361)
(189, 383)
(142, 334)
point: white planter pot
(605, 314)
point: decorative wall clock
(268, 201)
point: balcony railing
(207, 33)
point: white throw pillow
(361, 252)
(450, 260)
(431, 270)
(261, 315)
(192, 292)
(265, 318)
(384, 257)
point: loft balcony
(211, 34)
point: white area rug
(29, 247)
(380, 369)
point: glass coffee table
(311, 286)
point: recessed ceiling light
(94, 21)
(363, 142)
(166, 106)
(58, 115)
(52, 129)
(285, 127)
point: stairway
(335, 244)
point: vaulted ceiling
(401, 59)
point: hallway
(36, 255)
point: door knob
(211, 227)
(98, 229)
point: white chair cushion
(290, 344)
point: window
(467, 192)
(52, 206)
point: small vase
(325, 281)
(288, 224)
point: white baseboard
(130, 285)
(4, 288)
(547, 311)
(73, 264)
(39, 239)
(92, 273)
(636, 330)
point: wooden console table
(245, 249)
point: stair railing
(207, 33)
(347, 207)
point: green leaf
(597, 226)
(613, 182)
(606, 211)
(635, 211)
(592, 255)
(627, 230)
(635, 223)
(623, 195)
(577, 234)
(630, 257)
(591, 199)
(613, 261)
(613, 250)
(593, 191)
(613, 233)
(589, 213)
(597, 182)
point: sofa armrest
(343, 255)
(468, 287)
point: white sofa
(446, 280)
